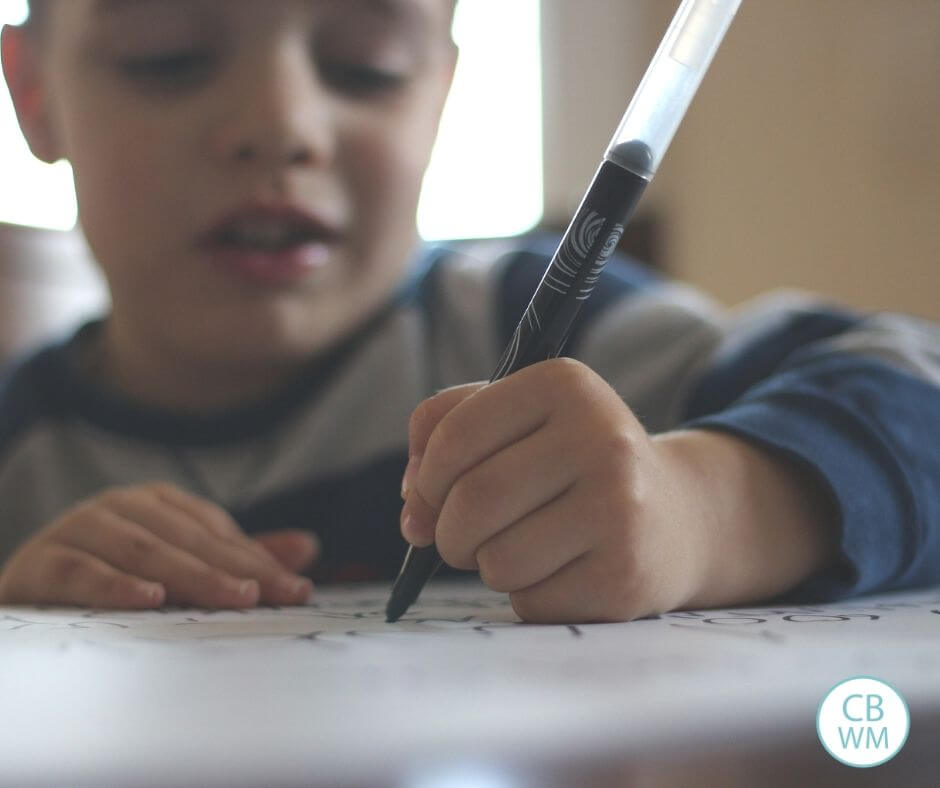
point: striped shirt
(853, 398)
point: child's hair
(38, 9)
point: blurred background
(809, 159)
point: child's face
(247, 171)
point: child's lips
(290, 265)
(271, 243)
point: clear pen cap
(669, 84)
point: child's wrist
(766, 524)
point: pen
(627, 167)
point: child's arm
(148, 545)
(547, 483)
(850, 402)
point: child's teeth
(262, 234)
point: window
(485, 177)
(31, 192)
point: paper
(341, 615)
(458, 676)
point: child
(247, 175)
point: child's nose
(277, 114)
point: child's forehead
(423, 13)
(222, 6)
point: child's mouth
(268, 244)
(265, 237)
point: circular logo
(863, 721)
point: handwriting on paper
(344, 616)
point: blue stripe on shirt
(744, 364)
(868, 431)
(31, 392)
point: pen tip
(394, 610)
(420, 563)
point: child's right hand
(153, 544)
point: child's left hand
(547, 484)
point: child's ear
(451, 56)
(445, 74)
(21, 60)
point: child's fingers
(57, 574)
(581, 591)
(294, 552)
(490, 419)
(293, 548)
(132, 548)
(478, 425)
(213, 517)
(499, 492)
(235, 556)
(537, 546)
(424, 419)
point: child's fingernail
(154, 593)
(411, 471)
(244, 588)
(417, 529)
(295, 586)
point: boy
(247, 175)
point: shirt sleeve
(855, 400)
(852, 398)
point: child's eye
(171, 70)
(361, 81)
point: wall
(810, 157)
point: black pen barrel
(542, 332)
(574, 269)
